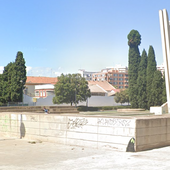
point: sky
(63, 36)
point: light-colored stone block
(151, 131)
(114, 139)
(82, 136)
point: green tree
(141, 81)
(13, 80)
(156, 89)
(6, 83)
(18, 78)
(134, 40)
(122, 96)
(71, 88)
(164, 97)
(151, 68)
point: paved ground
(16, 154)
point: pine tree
(134, 40)
(141, 81)
(157, 88)
(151, 68)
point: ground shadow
(131, 145)
(22, 130)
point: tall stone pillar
(165, 36)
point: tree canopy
(12, 80)
(71, 88)
(141, 81)
(122, 96)
(151, 68)
(134, 40)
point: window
(114, 82)
(120, 75)
(120, 87)
(115, 75)
(126, 75)
(120, 78)
(40, 93)
(115, 78)
(120, 82)
(43, 92)
(36, 93)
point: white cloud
(28, 68)
(1, 69)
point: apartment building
(117, 76)
(161, 68)
(86, 74)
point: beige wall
(98, 132)
(94, 132)
(152, 132)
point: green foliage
(164, 97)
(107, 108)
(156, 90)
(134, 40)
(10, 81)
(122, 97)
(18, 78)
(141, 81)
(85, 108)
(71, 88)
(151, 68)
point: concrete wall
(92, 101)
(152, 132)
(98, 132)
(94, 132)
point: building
(86, 74)
(102, 88)
(39, 86)
(117, 76)
(161, 68)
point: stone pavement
(17, 154)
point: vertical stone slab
(165, 35)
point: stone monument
(165, 36)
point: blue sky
(67, 35)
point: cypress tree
(157, 88)
(151, 68)
(134, 40)
(164, 97)
(6, 79)
(18, 78)
(141, 81)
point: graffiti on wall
(113, 122)
(5, 123)
(76, 123)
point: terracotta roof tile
(41, 80)
(104, 84)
